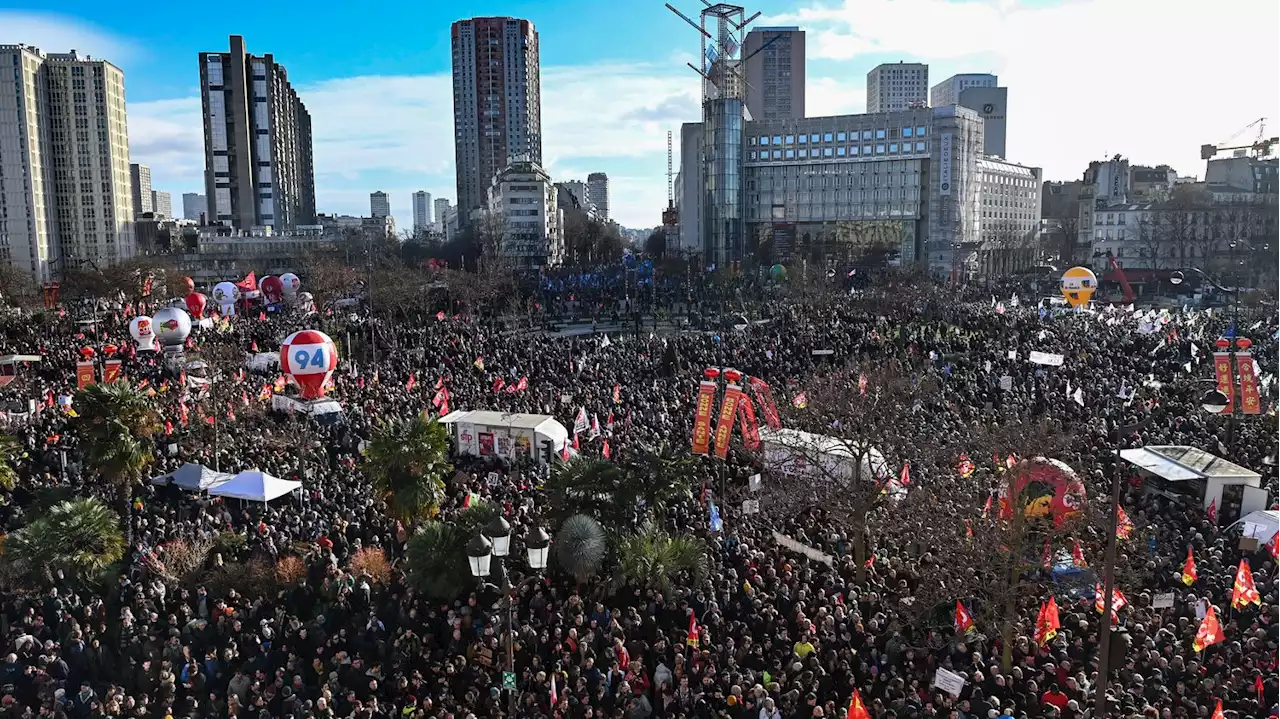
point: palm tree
(116, 424)
(655, 560)
(621, 497)
(436, 558)
(407, 463)
(80, 537)
(9, 451)
(580, 546)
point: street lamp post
(494, 541)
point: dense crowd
(781, 636)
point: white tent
(1261, 525)
(254, 486)
(193, 477)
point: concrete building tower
(897, 86)
(259, 169)
(775, 73)
(497, 106)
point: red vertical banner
(84, 374)
(747, 423)
(702, 415)
(728, 412)
(767, 405)
(110, 371)
(1250, 397)
(1222, 370)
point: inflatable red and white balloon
(309, 358)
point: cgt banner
(747, 423)
(85, 374)
(728, 412)
(702, 414)
(111, 371)
(1222, 370)
(764, 396)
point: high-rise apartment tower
(140, 189)
(257, 142)
(598, 185)
(775, 73)
(66, 199)
(897, 86)
(497, 107)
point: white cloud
(57, 33)
(371, 132)
(1087, 78)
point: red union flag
(1243, 591)
(1210, 631)
(964, 620)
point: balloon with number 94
(309, 358)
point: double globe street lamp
(494, 543)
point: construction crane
(1261, 146)
(670, 216)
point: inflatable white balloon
(225, 293)
(140, 328)
(172, 326)
(291, 284)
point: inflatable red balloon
(110, 350)
(191, 284)
(272, 288)
(195, 304)
(309, 357)
(87, 353)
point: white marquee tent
(254, 486)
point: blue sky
(1087, 79)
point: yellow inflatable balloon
(1078, 285)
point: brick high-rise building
(497, 106)
(257, 142)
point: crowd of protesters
(781, 636)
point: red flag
(856, 709)
(607, 453)
(210, 419)
(523, 384)
(439, 382)
(262, 316)
(575, 441)
(1077, 554)
(1189, 569)
(231, 415)
(968, 530)
(555, 697)
(1212, 511)
(964, 620)
(1210, 631)
(986, 508)
(965, 467)
(693, 630)
(870, 561)
(498, 384)
(1047, 623)
(564, 452)
(1124, 527)
(905, 479)
(413, 382)
(617, 394)
(168, 427)
(466, 501)
(254, 347)
(1047, 558)
(1243, 591)
(1217, 712)
(440, 315)
(1274, 545)
(862, 384)
(1258, 686)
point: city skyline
(384, 120)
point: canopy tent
(254, 486)
(1261, 525)
(192, 477)
(1177, 463)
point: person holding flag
(1189, 569)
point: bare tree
(838, 452)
